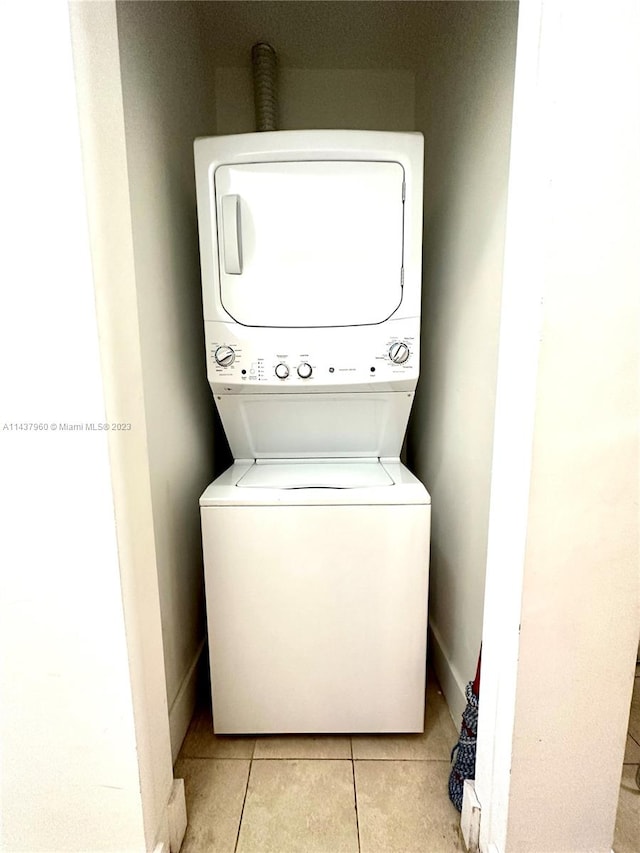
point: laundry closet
(105, 609)
(443, 69)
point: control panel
(282, 359)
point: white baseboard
(184, 704)
(177, 816)
(453, 685)
(470, 817)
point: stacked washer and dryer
(316, 540)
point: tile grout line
(246, 791)
(219, 757)
(394, 758)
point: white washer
(316, 541)
(317, 596)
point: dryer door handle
(232, 234)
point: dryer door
(314, 243)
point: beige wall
(463, 107)
(108, 205)
(168, 98)
(78, 705)
(581, 587)
(364, 99)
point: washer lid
(315, 474)
(310, 243)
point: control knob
(282, 371)
(304, 370)
(225, 356)
(398, 353)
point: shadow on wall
(463, 107)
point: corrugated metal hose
(265, 72)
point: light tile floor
(360, 794)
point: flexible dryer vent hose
(265, 66)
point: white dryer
(316, 540)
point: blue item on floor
(465, 749)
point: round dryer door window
(313, 243)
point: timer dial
(304, 370)
(282, 371)
(225, 356)
(399, 353)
